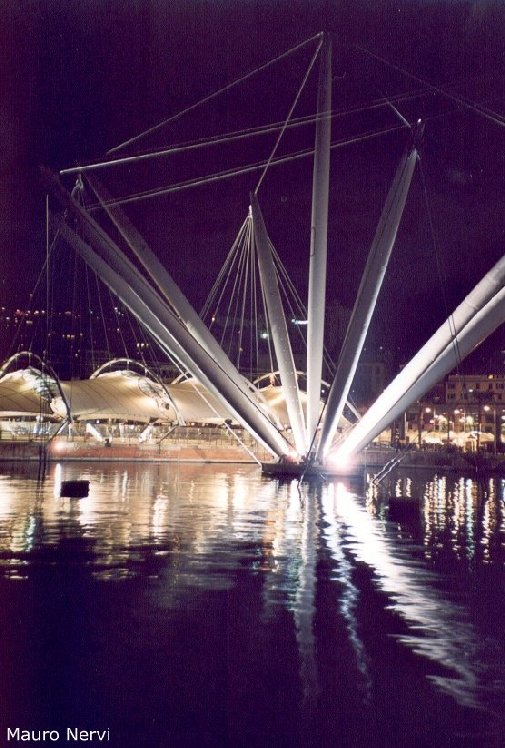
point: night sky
(78, 78)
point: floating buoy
(75, 489)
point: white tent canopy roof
(124, 395)
(23, 393)
(121, 395)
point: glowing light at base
(340, 460)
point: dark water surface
(208, 606)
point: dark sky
(80, 77)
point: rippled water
(183, 605)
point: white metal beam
(278, 327)
(475, 318)
(366, 298)
(318, 242)
(173, 337)
(166, 285)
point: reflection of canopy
(24, 393)
(120, 395)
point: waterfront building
(465, 411)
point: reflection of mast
(444, 638)
(304, 607)
(350, 593)
(294, 541)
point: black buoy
(75, 489)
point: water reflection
(335, 535)
(438, 629)
(197, 529)
(460, 517)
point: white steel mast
(278, 327)
(168, 288)
(481, 312)
(318, 242)
(366, 299)
(175, 339)
(232, 393)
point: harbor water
(206, 605)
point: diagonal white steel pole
(318, 242)
(366, 299)
(474, 319)
(174, 338)
(278, 326)
(235, 392)
(168, 288)
(113, 255)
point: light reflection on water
(195, 528)
(438, 629)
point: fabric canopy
(22, 393)
(120, 395)
(124, 396)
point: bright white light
(339, 460)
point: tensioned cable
(299, 309)
(236, 135)
(245, 287)
(253, 336)
(73, 326)
(449, 315)
(115, 309)
(213, 95)
(251, 132)
(247, 395)
(48, 249)
(291, 110)
(450, 318)
(237, 273)
(225, 269)
(233, 299)
(229, 173)
(238, 265)
(90, 320)
(238, 317)
(44, 272)
(485, 112)
(394, 109)
(99, 295)
(268, 326)
(135, 337)
(201, 395)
